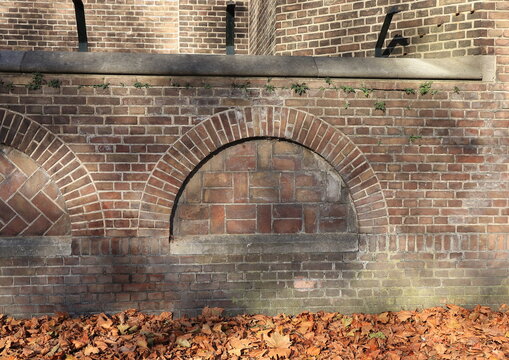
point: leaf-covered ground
(436, 333)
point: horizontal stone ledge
(35, 246)
(460, 68)
(264, 244)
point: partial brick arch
(62, 165)
(233, 125)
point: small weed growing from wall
(244, 87)
(9, 86)
(366, 91)
(55, 83)
(139, 85)
(380, 105)
(412, 138)
(425, 88)
(207, 86)
(456, 90)
(300, 88)
(269, 87)
(347, 105)
(347, 89)
(37, 81)
(102, 86)
(409, 91)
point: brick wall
(202, 27)
(141, 26)
(426, 28)
(262, 187)
(427, 175)
(262, 27)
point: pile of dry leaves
(436, 333)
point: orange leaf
(104, 321)
(313, 351)
(90, 350)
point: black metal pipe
(81, 25)
(230, 28)
(383, 32)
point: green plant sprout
(243, 87)
(207, 86)
(9, 86)
(139, 85)
(269, 87)
(37, 81)
(456, 90)
(55, 83)
(425, 88)
(366, 91)
(300, 88)
(409, 91)
(102, 86)
(347, 105)
(347, 89)
(380, 105)
(412, 138)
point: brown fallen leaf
(279, 345)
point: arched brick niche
(62, 166)
(264, 186)
(172, 170)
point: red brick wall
(202, 27)
(427, 177)
(432, 28)
(261, 187)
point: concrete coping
(35, 246)
(459, 68)
(264, 244)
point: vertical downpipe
(230, 28)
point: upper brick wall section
(426, 28)
(202, 27)
(141, 26)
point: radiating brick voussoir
(262, 121)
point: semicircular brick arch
(62, 165)
(234, 125)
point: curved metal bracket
(385, 28)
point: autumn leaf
(313, 351)
(279, 344)
(104, 322)
(347, 321)
(89, 350)
(383, 318)
(182, 341)
(237, 345)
